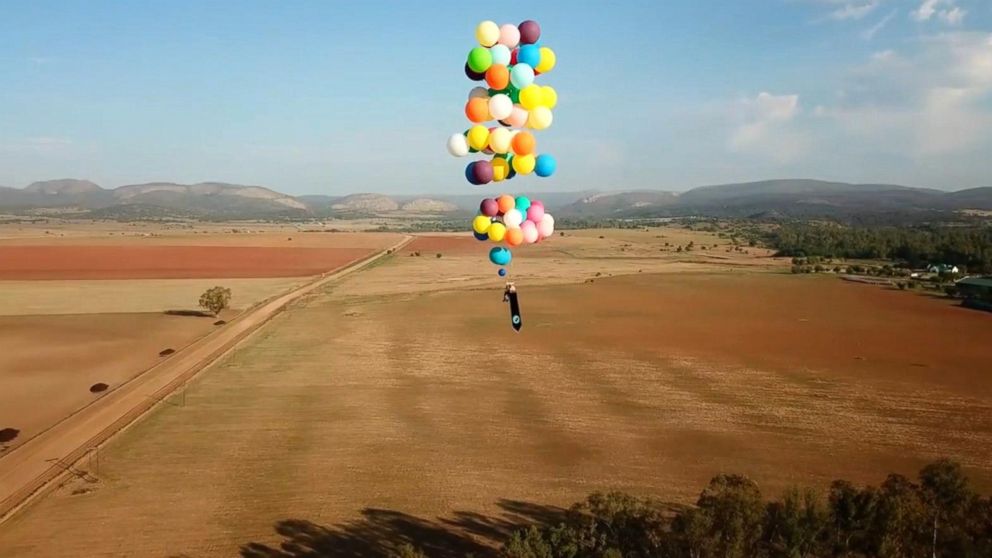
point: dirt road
(27, 470)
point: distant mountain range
(215, 200)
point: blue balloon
(500, 256)
(470, 174)
(530, 55)
(522, 203)
(502, 272)
(483, 236)
(545, 165)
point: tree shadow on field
(381, 533)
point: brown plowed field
(166, 262)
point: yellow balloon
(549, 97)
(487, 33)
(499, 140)
(547, 61)
(501, 169)
(481, 224)
(531, 96)
(496, 232)
(478, 137)
(539, 118)
(524, 164)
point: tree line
(938, 515)
(965, 246)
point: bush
(439, 255)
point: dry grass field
(399, 403)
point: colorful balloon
(531, 96)
(501, 55)
(498, 77)
(473, 75)
(521, 75)
(480, 236)
(477, 110)
(529, 230)
(530, 32)
(501, 169)
(481, 224)
(535, 213)
(546, 60)
(540, 118)
(523, 143)
(514, 236)
(509, 35)
(478, 136)
(502, 272)
(458, 145)
(483, 172)
(513, 218)
(530, 55)
(505, 203)
(489, 207)
(500, 256)
(549, 97)
(545, 165)
(481, 92)
(479, 59)
(546, 227)
(487, 33)
(518, 118)
(497, 231)
(500, 107)
(522, 204)
(524, 164)
(499, 140)
(470, 173)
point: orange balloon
(514, 237)
(477, 109)
(523, 143)
(506, 203)
(498, 77)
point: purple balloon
(530, 32)
(473, 75)
(489, 207)
(483, 172)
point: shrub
(215, 299)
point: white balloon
(499, 140)
(546, 227)
(521, 75)
(513, 218)
(530, 232)
(500, 106)
(501, 54)
(458, 145)
(480, 92)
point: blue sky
(334, 97)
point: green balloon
(479, 59)
(513, 93)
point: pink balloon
(530, 232)
(517, 118)
(535, 213)
(546, 227)
(509, 35)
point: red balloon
(513, 57)
(530, 32)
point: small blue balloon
(500, 255)
(502, 272)
(483, 236)
(530, 55)
(545, 165)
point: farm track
(32, 469)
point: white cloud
(870, 33)
(855, 10)
(945, 10)
(765, 128)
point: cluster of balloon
(511, 221)
(504, 111)
(508, 59)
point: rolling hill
(801, 198)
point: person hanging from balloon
(504, 117)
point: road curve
(32, 468)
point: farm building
(943, 268)
(977, 292)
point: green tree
(900, 526)
(215, 299)
(946, 494)
(732, 509)
(796, 526)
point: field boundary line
(101, 420)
